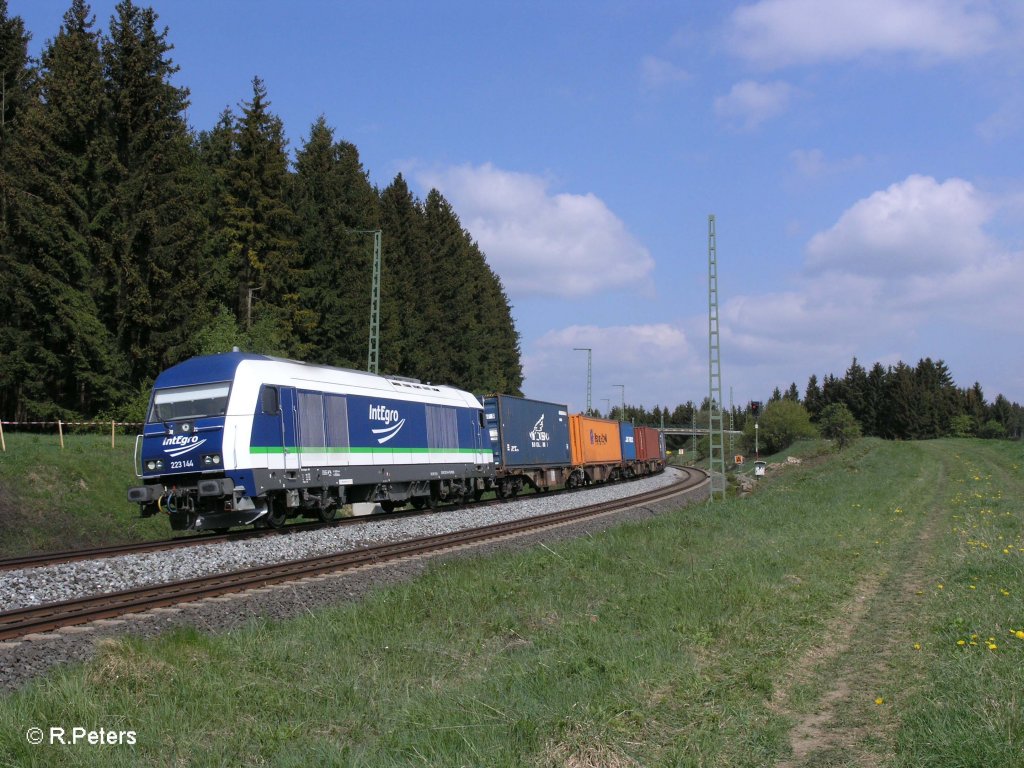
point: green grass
(53, 499)
(709, 636)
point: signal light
(755, 407)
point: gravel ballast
(24, 659)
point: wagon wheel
(387, 505)
(276, 515)
(326, 512)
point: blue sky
(862, 159)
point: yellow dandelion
(1019, 633)
(917, 646)
(879, 701)
(961, 642)
(972, 587)
(942, 586)
(992, 646)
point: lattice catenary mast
(716, 435)
(373, 352)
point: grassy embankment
(861, 611)
(53, 499)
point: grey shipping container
(527, 433)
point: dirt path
(831, 692)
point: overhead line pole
(373, 353)
(590, 369)
(715, 426)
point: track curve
(52, 616)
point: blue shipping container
(527, 433)
(628, 441)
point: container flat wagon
(596, 449)
(627, 442)
(530, 440)
(650, 450)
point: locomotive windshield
(190, 402)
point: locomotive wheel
(276, 516)
(326, 512)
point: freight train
(241, 439)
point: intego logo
(179, 445)
(386, 415)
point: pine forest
(130, 241)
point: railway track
(192, 540)
(95, 553)
(43, 618)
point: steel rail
(43, 618)
(195, 539)
(139, 547)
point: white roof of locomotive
(324, 378)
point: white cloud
(649, 360)
(540, 242)
(783, 32)
(917, 226)
(1006, 121)
(906, 272)
(813, 164)
(750, 103)
(658, 73)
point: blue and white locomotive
(235, 439)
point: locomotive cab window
(192, 402)
(270, 401)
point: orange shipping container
(594, 441)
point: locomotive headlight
(155, 464)
(211, 460)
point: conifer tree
(471, 312)
(54, 217)
(336, 208)
(874, 400)
(812, 398)
(17, 80)
(215, 149)
(406, 293)
(17, 76)
(903, 413)
(260, 227)
(153, 297)
(855, 394)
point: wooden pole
(60, 429)
(111, 434)
(3, 443)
